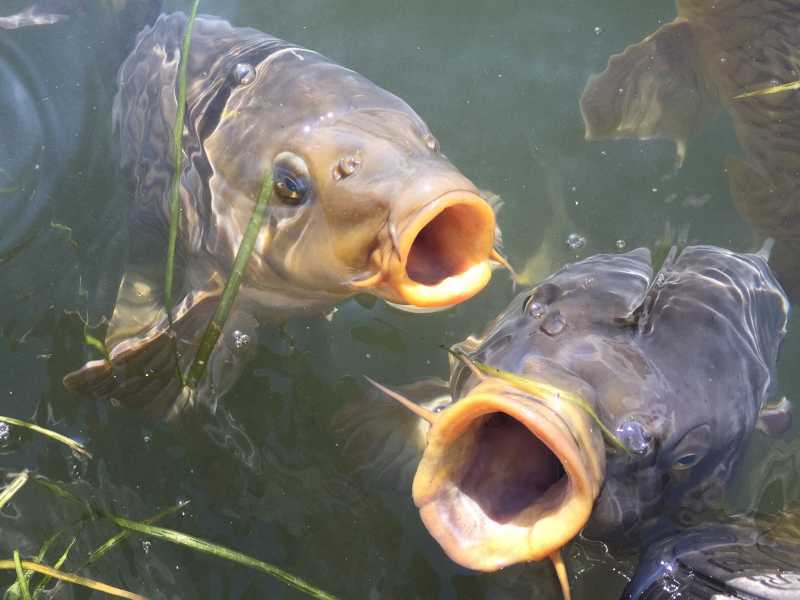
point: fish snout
(439, 254)
(507, 477)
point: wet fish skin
(364, 200)
(678, 364)
(688, 352)
(668, 84)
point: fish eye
(687, 461)
(291, 180)
(692, 448)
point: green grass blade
(177, 161)
(21, 581)
(201, 545)
(73, 445)
(773, 89)
(103, 549)
(12, 488)
(64, 493)
(71, 578)
(59, 563)
(217, 322)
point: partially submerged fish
(601, 400)
(741, 558)
(706, 59)
(363, 201)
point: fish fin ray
(775, 419)
(385, 439)
(651, 90)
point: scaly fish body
(363, 201)
(676, 367)
(668, 84)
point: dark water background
(498, 83)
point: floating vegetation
(177, 161)
(72, 444)
(773, 89)
(214, 329)
(201, 545)
(66, 230)
(12, 488)
(68, 577)
(21, 581)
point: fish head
(362, 200)
(509, 475)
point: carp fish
(602, 399)
(363, 201)
(718, 54)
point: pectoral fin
(775, 419)
(383, 437)
(143, 365)
(652, 90)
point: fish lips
(437, 256)
(508, 478)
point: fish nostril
(346, 166)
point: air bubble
(575, 241)
(5, 432)
(244, 73)
(553, 324)
(536, 310)
(240, 339)
(598, 30)
(146, 545)
(620, 244)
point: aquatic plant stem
(73, 445)
(215, 326)
(201, 545)
(21, 581)
(12, 488)
(71, 578)
(177, 161)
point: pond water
(499, 85)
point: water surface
(498, 83)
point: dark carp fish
(718, 54)
(363, 200)
(601, 400)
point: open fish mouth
(506, 477)
(441, 255)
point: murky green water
(498, 83)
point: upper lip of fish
(456, 485)
(437, 256)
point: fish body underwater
(600, 401)
(363, 201)
(709, 58)
(740, 558)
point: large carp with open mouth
(675, 369)
(719, 54)
(363, 200)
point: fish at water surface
(363, 201)
(712, 54)
(678, 367)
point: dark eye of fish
(686, 461)
(291, 180)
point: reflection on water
(499, 87)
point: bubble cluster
(575, 241)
